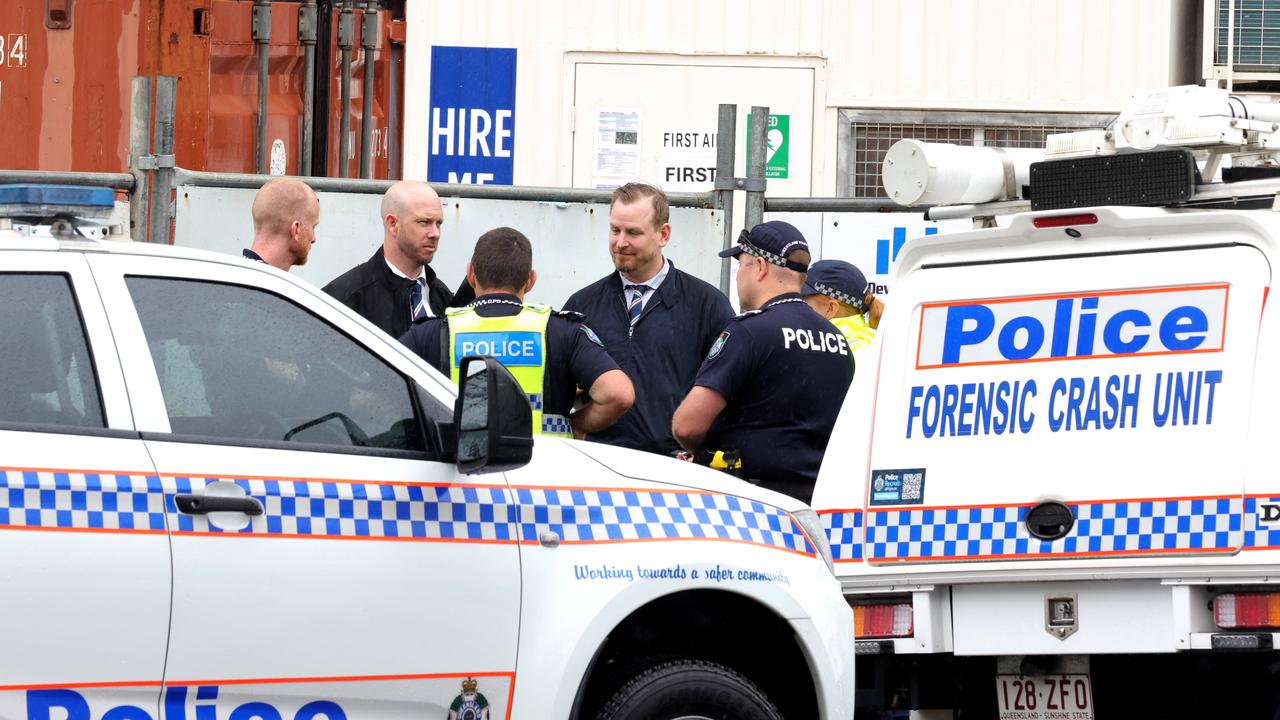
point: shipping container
(66, 69)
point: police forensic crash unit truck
(1056, 487)
(225, 496)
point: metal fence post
(139, 147)
(162, 186)
(756, 158)
(726, 146)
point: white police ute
(224, 496)
(1054, 489)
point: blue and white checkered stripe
(844, 534)
(1121, 527)
(1256, 535)
(535, 401)
(584, 516)
(90, 501)
(355, 510)
(556, 425)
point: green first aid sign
(777, 146)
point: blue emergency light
(30, 202)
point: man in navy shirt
(773, 382)
(657, 321)
(501, 272)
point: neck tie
(635, 300)
(418, 301)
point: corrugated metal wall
(1008, 55)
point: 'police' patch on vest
(718, 345)
(513, 349)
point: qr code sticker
(913, 486)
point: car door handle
(203, 504)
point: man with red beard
(285, 215)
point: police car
(224, 496)
(1055, 490)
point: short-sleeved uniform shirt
(575, 356)
(783, 371)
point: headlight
(808, 520)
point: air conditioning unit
(1256, 46)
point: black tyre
(689, 690)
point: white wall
(1005, 55)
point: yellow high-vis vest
(855, 330)
(519, 342)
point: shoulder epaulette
(573, 315)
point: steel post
(368, 44)
(346, 39)
(726, 140)
(139, 146)
(262, 39)
(756, 156)
(307, 36)
(161, 210)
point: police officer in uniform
(765, 400)
(551, 354)
(839, 292)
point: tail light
(892, 619)
(1247, 610)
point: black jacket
(382, 296)
(681, 320)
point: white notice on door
(618, 142)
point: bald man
(397, 286)
(285, 215)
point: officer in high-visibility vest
(839, 292)
(551, 353)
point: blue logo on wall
(885, 255)
(473, 115)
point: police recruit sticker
(718, 345)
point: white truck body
(1119, 363)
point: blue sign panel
(473, 115)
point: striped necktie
(418, 301)
(635, 300)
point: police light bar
(32, 203)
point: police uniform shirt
(575, 356)
(783, 371)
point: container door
(1067, 408)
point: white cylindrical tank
(920, 173)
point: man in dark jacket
(397, 285)
(657, 321)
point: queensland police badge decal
(718, 345)
(470, 705)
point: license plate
(1047, 697)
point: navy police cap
(774, 241)
(839, 280)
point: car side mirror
(492, 416)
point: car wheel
(689, 690)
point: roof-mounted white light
(920, 173)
